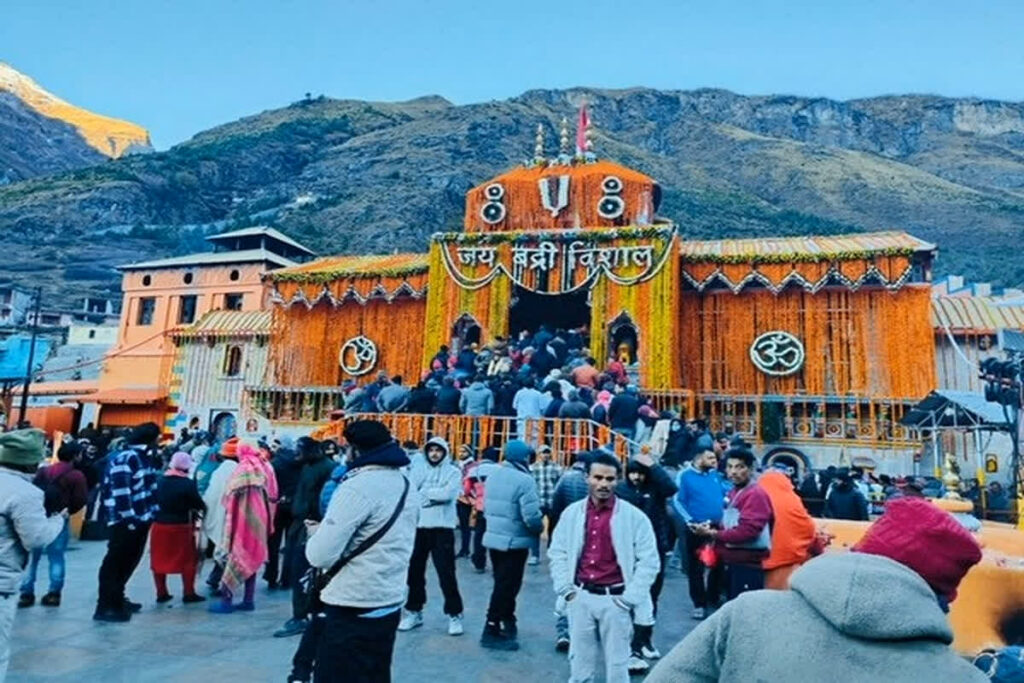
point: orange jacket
(793, 530)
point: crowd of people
(350, 527)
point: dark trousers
(439, 545)
(297, 566)
(465, 510)
(741, 578)
(277, 571)
(124, 550)
(508, 567)
(659, 582)
(304, 660)
(354, 649)
(213, 580)
(479, 556)
(705, 583)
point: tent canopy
(14, 353)
(952, 409)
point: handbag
(315, 580)
(731, 518)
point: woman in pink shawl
(249, 501)
(599, 411)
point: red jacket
(74, 493)
(755, 510)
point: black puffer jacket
(651, 498)
(846, 502)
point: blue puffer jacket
(511, 505)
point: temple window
(147, 307)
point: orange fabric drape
(793, 529)
(305, 342)
(871, 342)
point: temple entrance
(465, 331)
(623, 340)
(529, 310)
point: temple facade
(812, 347)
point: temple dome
(598, 194)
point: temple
(791, 341)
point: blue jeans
(55, 558)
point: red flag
(581, 129)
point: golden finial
(538, 149)
(563, 142)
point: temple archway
(223, 426)
(465, 331)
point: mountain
(353, 176)
(43, 134)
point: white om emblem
(777, 353)
(358, 356)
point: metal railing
(566, 437)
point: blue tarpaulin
(14, 353)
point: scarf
(248, 522)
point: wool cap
(365, 435)
(22, 447)
(517, 451)
(181, 461)
(145, 433)
(919, 535)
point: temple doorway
(623, 340)
(529, 310)
(465, 331)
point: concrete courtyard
(175, 642)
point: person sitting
(913, 557)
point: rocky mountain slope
(350, 176)
(44, 134)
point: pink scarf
(249, 519)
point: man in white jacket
(438, 482)
(603, 560)
(363, 600)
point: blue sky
(178, 67)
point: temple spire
(563, 142)
(538, 149)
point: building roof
(86, 386)
(341, 267)
(212, 259)
(810, 248)
(979, 314)
(120, 396)
(261, 230)
(227, 324)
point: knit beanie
(365, 435)
(517, 451)
(22, 447)
(181, 461)
(919, 535)
(145, 433)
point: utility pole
(31, 359)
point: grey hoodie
(438, 487)
(849, 617)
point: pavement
(177, 642)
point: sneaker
(493, 639)
(649, 651)
(161, 599)
(50, 600)
(112, 615)
(562, 644)
(292, 627)
(637, 665)
(698, 613)
(533, 561)
(195, 597)
(132, 606)
(26, 600)
(221, 607)
(455, 626)
(410, 620)
(245, 606)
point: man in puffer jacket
(438, 482)
(913, 557)
(512, 510)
